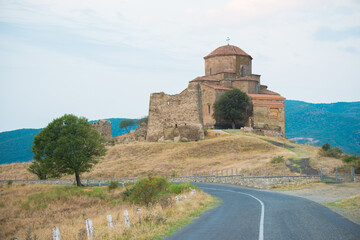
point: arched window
(209, 108)
(210, 71)
(242, 71)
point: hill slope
(242, 151)
(15, 145)
(335, 123)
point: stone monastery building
(184, 116)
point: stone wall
(253, 182)
(220, 64)
(104, 128)
(261, 115)
(209, 96)
(176, 117)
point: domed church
(184, 116)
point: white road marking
(261, 227)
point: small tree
(142, 120)
(231, 106)
(326, 147)
(127, 123)
(68, 145)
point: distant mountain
(335, 123)
(15, 145)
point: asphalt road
(255, 214)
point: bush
(278, 159)
(9, 183)
(180, 188)
(326, 147)
(334, 152)
(149, 190)
(113, 185)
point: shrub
(174, 188)
(113, 185)
(149, 190)
(129, 188)
(334, 152)
(9, 183)
(326, 147)
(179, 188)
(277, 159)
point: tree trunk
(78, 182)
(233, 124)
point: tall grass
(43, 206)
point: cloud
(334, 35)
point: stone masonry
(184, 116)
(104, 128)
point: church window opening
(274, 113)
(209, 108)
(242, 71)
(176, 125)
(210, 71)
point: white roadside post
(110, 221)
(89, 229)
(127, 220)
(56, 233)
(138, 210)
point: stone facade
(253, 182)
(185, 115)
(104, 128)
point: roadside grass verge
(37, 208)
(295, 187)
(350, 206)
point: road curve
(251, 214)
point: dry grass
(350, 204)
(41, 207)
(238, 150)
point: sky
(103, 59)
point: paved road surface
(253, 214)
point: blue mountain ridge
(15, 145)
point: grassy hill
(237, 150)
(335, 123)
(15, 145)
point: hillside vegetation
(31, 211)
(335, 123)
(238, 150)
(15, 145)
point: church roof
(204, 78)
(273, 103)
(227, 50)
(219, 87)
(245, 79)
(266, 97)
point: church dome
(227, 50)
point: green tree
(39, 170)
(326, 147)
(142, 120)
(127, 123)
(68, 145)
(231, 106)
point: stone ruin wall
(264, 125)
(176, 117)
(104, 128)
